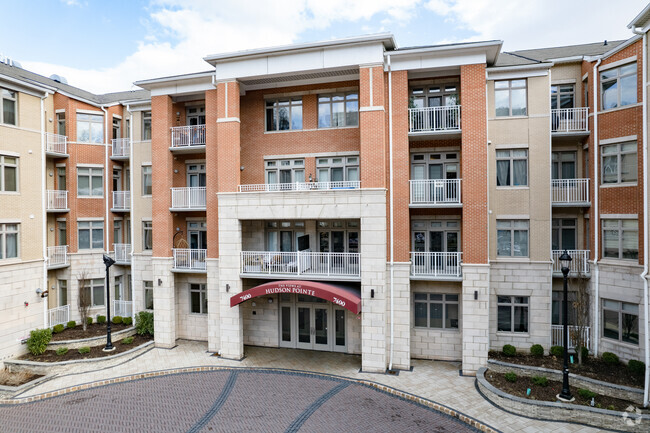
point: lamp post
(108, 262)
(565, 395)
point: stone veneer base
(93, 341)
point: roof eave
(641, 19)
(492, 48)
(152, 83)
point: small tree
(83, 299)
(579, 283)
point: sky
(104, 46)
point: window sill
(619, 185)
(624, 107)
(90, 196)
(10, 261)
(91, 250)
(198, 314)
(621, 343)
(10, 193)
(512, 187)
(509, 117)
(508, 259)
(514, 334)
(421, 328)
(631, 263)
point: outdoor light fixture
(108, 262)
(270, 300)
(159, 282)
(372, 293)
(565, 395)
(227, 287)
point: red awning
(340, 296)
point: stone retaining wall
(90, 342)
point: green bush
(585, 353)
(586, 394)
(144, 323)
(61, 351)
(71, 324)
(127, 321)
(557, 351)
(636, 367)
(89, 320)
(509, 350)
(58, 328)
(84, 350)
(117, 320)
(127, 340)
(38, 340)
(101, 319)
(537, 350)
(510, 377)
(611, 407)
(540, 380)
(610, 358)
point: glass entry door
(311, 323)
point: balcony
(557, 336)
(570, 121)
(300, 265)
(579, 263)
(57, 201)
(188, 199)
(570, 192)
(121, 149)
(189, 260)
(122, 254)
(57, 257)
(435, 193)
(436, 266)
(121, 201)
(58, 316)
(122, 308)
(432, 121)
(188, 139)
(56, 145)
(301, 186)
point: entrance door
(313, 329)
(311, 323)
(196, 116)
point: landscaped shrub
(611, 407)
(537, 350)
(117, 320)
(101, 319)
(38, 340)
(84, 350)
(510, 377)
(586, 394)
(61, 351)
(58, 328)
(610, 358)
(540, 380)
(585, 353)
(127, 340)
(509, 350)
(71, 324)
(636, 367)
(144, 323)
(89, 320)
(557, 351)
(127, 321)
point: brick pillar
(372, 127)
(211, 177)
(475, 321)
(162, 160)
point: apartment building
(349, 195)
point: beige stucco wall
(141, 204)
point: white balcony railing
(57, 256)
(436, 265)
(300, 263)
(431, 119)
(56, 143)
(568, 191)
(557, 335)
(57, 200)
(58, 315)
(301, 186)
(186, 136)
(121, 147)
(579, 261)
(122, 253)
(188, 198)
(189, 259)
(565, 120)
(435, 192)
(122, 308)
(121, 200)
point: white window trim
(512, 304)
(444, 303)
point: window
(438, 95)
(283, 235)
(195, 175)
(512, 167)
(9, 241)
(91, 235)
(619, 162)
(285, 171)
(198, 299)
(8, 112)
(564, 234)
(563, 165)
(562, 96)
(63, 292)
(621, 321)
(337, 236)
(90, 128)
(8, 173)
(63, 235)
(146, 125)
(90, 182)
(512, 313)
(117, 128)
(618, 86)
(436, 310)
(146, 180)
(338, 110)
(61, 178)
(147, 235)
(60, 123)
(512, 238)
(117, 231)
(283, 114)
(557, 305)
(148, 295)
(621, 239)
(510, 98)
(97, 292)
(338, 169)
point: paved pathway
(432, 380)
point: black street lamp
(565, 395)
(108, 262)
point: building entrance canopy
(346, 297)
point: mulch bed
(94, 330)
(550, 392)
(95, 352)
(16, 379)
(594, 368)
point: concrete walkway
(432, 380)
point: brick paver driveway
(238, 400)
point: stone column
(164, 303)
(476, 317)
(402, 315)
(212, 282)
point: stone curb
(75, 344)
(17, 389)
